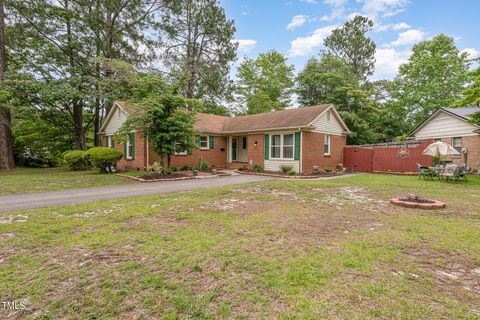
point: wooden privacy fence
(392, 157)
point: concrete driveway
(74, 196)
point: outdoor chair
(453, 172)
(424, 172)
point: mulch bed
(180, 175)
(287, 176)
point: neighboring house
(301, 138)
(451, 125)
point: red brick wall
(472, 143)
(312, 151)
(215, 157)
(139, 160)
(255, 153)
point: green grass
(22, 180)
(331, 249)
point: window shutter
(266, 146)
(125, 150)
(113, 142)
(132, 142)
(197, 140)
(212, 142)
(297, 146)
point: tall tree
(199, 48)
(6, 140)
(433, 77)
(471, 94)
(350, 44)
(330, 80)
(265, 83)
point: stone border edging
(427, 205)
(281, 176)
(172, 179)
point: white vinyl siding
(327, 122)
(116, 121)
(444, 125)
(275, 165)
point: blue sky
(296, 28)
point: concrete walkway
(81, 195)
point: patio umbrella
(440, 148)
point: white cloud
(303, 46)
(338, 9)
(400, 26)
(388, 61)
(297, 21)
(309, 1)
(409, 37)
(472, 52)
(245, 45)
(386, 8)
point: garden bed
(288, 176)
(178, 175)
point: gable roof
(276, 120)
(459, 113)
(117, 104)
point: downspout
(148, 147)
(300, 166)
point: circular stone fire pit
(413, 201)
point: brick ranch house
(301, 138)
(451, 125)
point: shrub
(291, 173)
(257, 168)
(186, 168)
(328, 170)
(77, 160)
(204, 166)
(241, 169)
(286, 168)
(102, 157)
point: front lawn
(21, 180)
(333, 249)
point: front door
(234, 149)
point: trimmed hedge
(102, 157)
(77, 160)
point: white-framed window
(110, 141)
(457, 143)
(204, 142)
(326, 144)
(180, 151)
(287, 146)
(129, 149)
(282, 146)
(328, 115)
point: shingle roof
(289, 118)
(463, 112)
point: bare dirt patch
(453, 272)
(16, 218)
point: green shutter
(266, 146)
(197, 140)
(132, 142)
(125, 150)
(297, 146)
(212, 142)
(113, 142)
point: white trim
(336, 114)
(281, 146)
(109, 138)
(110, 114)
(329, 140)
(208, 143)
(129, 144)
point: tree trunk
(79, 134)
(6, 140)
